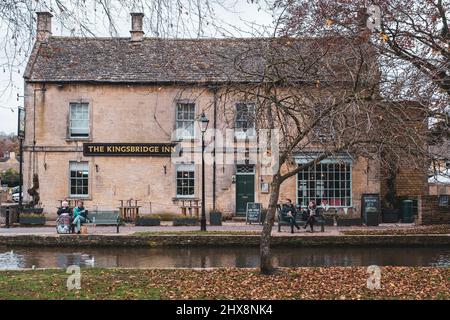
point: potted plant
(347, 219)
(215, 218)
(31, 219)
(32, 210)
(148, 220)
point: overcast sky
(237, 16)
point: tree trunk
(266, 263)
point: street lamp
(203, 122)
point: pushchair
(63, 224)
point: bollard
(7, 210)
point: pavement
(49, 229)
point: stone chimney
(44, 26)
(136, 26)
(363, 31)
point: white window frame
(180, 132)
(72, 120)
(83, 165)
(189, 167)
(241, 133)
(348, 170)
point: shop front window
(326, 184)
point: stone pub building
(104, 116)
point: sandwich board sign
(253, 213)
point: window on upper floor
(324, 130)
(185, 120)
(79, 120)
(245, 119)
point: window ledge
(177, 198)
(78, 139)
(72, 198)
(193, 139)
(242, 135)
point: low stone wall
(221, 241)
(430, 212)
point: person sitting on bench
(80, 216)
(288, 212)
(311, 212)
(65, 209)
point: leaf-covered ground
(292, 283)
(436, 229)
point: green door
(245, 192)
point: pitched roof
(68, 59)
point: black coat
(288, 208)
(64, 210)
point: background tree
(10, 177)
(412, 38)
(8, 143)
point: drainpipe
(214, 148)
(41, 89)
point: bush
(147, 221)
(161, 216)
(185, 221)
(31, 215)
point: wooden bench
(104, 218)
(319, 220)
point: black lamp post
(203, 121)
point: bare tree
(323, 95)
(411, 37)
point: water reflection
(16, 258)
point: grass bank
(292, 283)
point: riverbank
(220, 240)
(291, 283)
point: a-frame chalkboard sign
(253, 213)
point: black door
(245, 192)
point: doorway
(245, 187)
